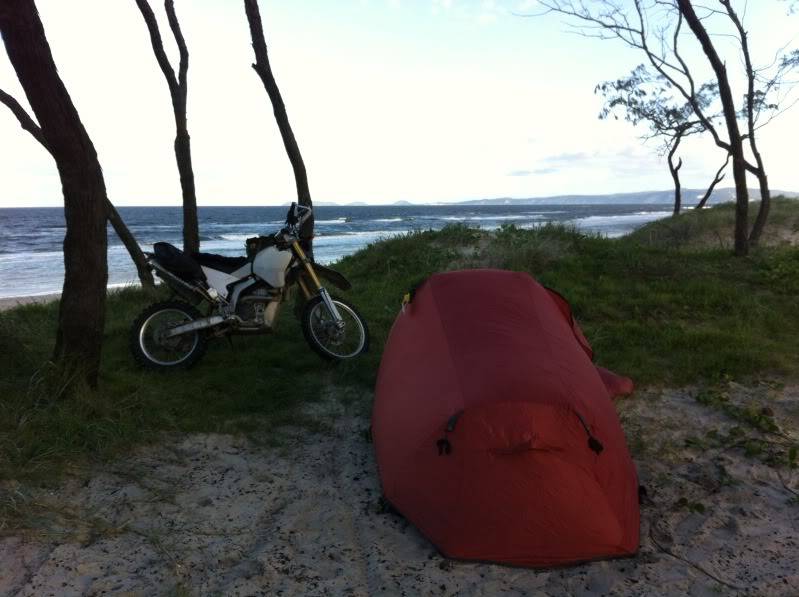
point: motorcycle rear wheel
(153, 351)
(326, 339)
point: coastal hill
(690, 197)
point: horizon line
(401, 202)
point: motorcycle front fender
(335, 278)
(299, 275)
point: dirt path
(215, 514)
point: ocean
(31, 261)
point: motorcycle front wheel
(329, 340)
(150, 346)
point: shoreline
(36, 299)
(10, 302)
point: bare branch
(26, 121)
(158, 47)
(178, 93)
(716, 180)
(183, 68)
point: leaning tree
(178, 90)
(123, 232)
(264, 70)
(81, 316)
(644, 97)
(654, 27)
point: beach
(288, 502)
(222, 514)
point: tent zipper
(593, 443)
(443, 445)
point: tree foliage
(648, 97)
(655, 28)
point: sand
(15, 301)
(218, 514)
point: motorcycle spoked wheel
(152, 350)
(326, 339)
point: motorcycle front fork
(326, 298)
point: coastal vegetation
(663, 93)
(667, 305)
(666, 94)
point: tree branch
(158, 47)
(716, 180)
(28, 124)
(26, 121)
(183, 68)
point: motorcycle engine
(251, 308)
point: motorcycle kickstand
(230, 340)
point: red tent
(495, 434)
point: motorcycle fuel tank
(270, 265)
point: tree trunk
(191, 229)
(178, 90)
(716, 180)
(765, 203)
(760, 171)
(730, 118)
(81, 316)
(264, 70)
(135, 252)
(675, 175)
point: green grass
(662, 316)
(713, 228)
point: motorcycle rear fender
(191, 293)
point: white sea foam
(617, 225)
(29, 271)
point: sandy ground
(10, 303)
(217, 514)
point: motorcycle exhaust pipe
(197, 324)
(190, 292)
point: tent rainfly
(495, 434)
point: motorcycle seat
(220, 262)
(176, 261)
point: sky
(390, 100)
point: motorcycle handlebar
(297, 214)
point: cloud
(537, 171)
(566, 158)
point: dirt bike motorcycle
(242, 295)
